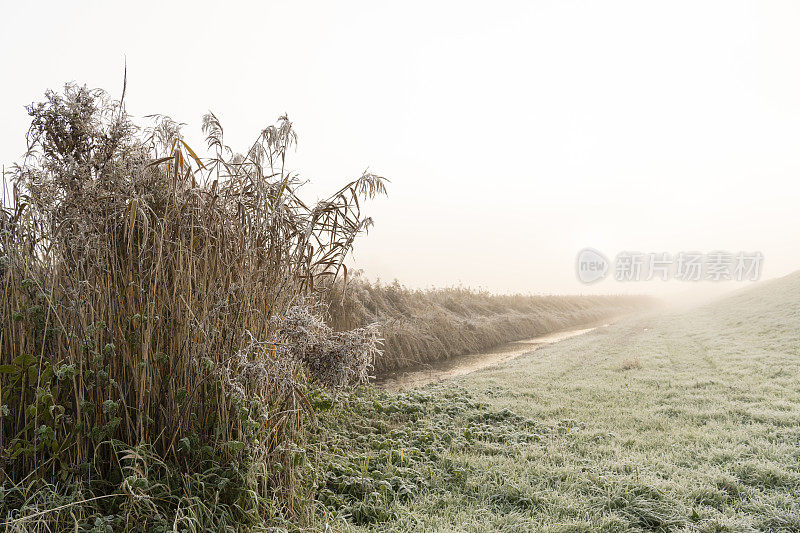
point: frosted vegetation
(183, 350)
(160, 322)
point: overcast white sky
(514, 133)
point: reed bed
(422, 326)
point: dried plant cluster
(336, 359)
(154, 297)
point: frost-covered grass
(703, 434)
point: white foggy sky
(514, 133)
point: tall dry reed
(151, 297)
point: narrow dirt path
(464, 364)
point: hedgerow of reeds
(158, 308)
(423, 326)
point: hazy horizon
(514, 136)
